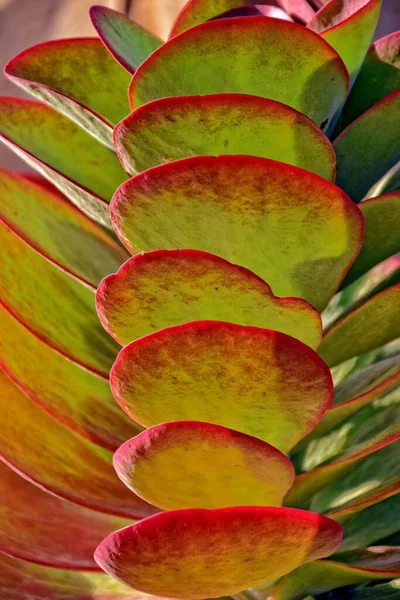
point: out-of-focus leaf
(172, 128)
(129, 43)
(369, 147)
(165, 465)
(381, 235)
(251, 211)
(370, 325)
(321, 576)
(371, 497)
(71, 394)
(56, 229)
(60, 461)
(39, 527)
(246, 378)
(190, 549)
(78, 77)
(348, 27)
(168, 287)
(251, 55)
(390, 182)
(58, 308)
(83, 169)
(385, 591)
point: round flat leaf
(370, 325)
(41, 535)
(348, 27)
(56, 229)
(128, 42)
(209, 553)
(158, 289)
(83, 169)
(71, 394)
(190, 464)
(381, 235)
(246, 378)
(58, 308)
(78, 77)
(369, 147)
(252, 211)
(172, 128)
(265, 57)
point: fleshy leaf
(172, 128)
(56, 229)
(158, 289)
(381, 235)
(348, 27)
(364, 501)
(371, 564)
(245, 378)
(386, 591)
(374, 323)
(265, 57)
(83, 169)
(200, 553)
(190, 464)
(129, 43)
(60, 461)
(74, 76)
(251, 211)
(71, 394)
(369, 147)
(58, 308)
(33, 525)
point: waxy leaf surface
(250, 379)
(39, 527)
(83, 169)
(59, 309)
(172, 128)
(56, 229)
(158, 289)
(190, 464)
(249, 210)
(129, 43)
(78, 77)
(190, 552)
(372, 324)
(251, 55)
(72, 395)
(369, 147)
(60, 461)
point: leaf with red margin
(198, 11)
(158, 289)
(379, 75)
(249, 210)
(370, 564)
(58, 308)
(370, 325)
(128, 42)
(251, 10)
(381, 235)
(208, 553)
(83, 169)
(41, 535)
(265, 57)
(246, 378)
(69, 393)
(79, 78)
(370, 498)
(60, 461)
(192, 464)
(369, 147)
(172, 128)
(56, 229)
(349, 28)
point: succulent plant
(250, 445)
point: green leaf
(271, 58)
(386, 591)
(129, 43)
